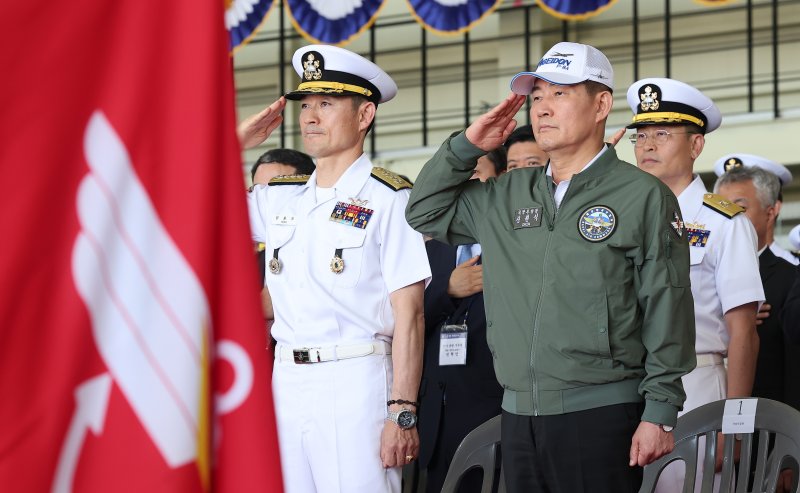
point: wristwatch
(667, 428)
(404, 418)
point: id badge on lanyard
(453, 344)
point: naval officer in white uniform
(731, 161)
(347, 276)
(670, 120)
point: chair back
(777, 427)
(479, 449)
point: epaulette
(721, 205)
(289, 180)
(391, 180)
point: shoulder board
(289, 180)
(721, 205)
(391, 180)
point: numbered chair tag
(739, 416)
(453, 345)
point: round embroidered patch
(597, 223)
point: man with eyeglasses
(586, 282)
(671, 119)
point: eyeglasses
(659, 137)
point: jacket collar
(348, 185)
(599, 168)
(354, 178)
(691, 199)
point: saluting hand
(491, 129)
(618, 135)
(256, 128)
(466, 279)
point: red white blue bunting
(332, 22)
(243, 18)
(451, 16)
(574, 10)
(713, 3)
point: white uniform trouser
(702, 385)
(330, 416)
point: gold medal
(337, 265)
(274, 265)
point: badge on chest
(597, 223)
(697, 237)
(528, 217)
(355, 215)
(285, 219)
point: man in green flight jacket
(590, 315)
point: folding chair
(777, 427)
(479, 449)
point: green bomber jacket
(587, 305)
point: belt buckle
(301, 356)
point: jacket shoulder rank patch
(391, 180)
(289, 180)
(721, 205)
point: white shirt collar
(549, 172)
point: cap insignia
(313, 65)
(649, 96)
(733, 163)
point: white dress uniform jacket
(724, 274)
(313, 305)
(724, 267)
(330, 414)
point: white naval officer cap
(794, 237)
(662, 101)
(567, 64)
(325, 69)
(731, 161)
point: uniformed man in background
(348, 361)
(586, 282)
(756, 190)
(738, 160)
(670, 120)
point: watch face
(406, 419)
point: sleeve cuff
(464, 150)
(661, 413)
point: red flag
(131, 340)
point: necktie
(464, 254)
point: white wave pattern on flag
(237, 12)
(335, 10)
(148, 310)
(452, 3)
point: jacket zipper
(550, 228)
(536, 320)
